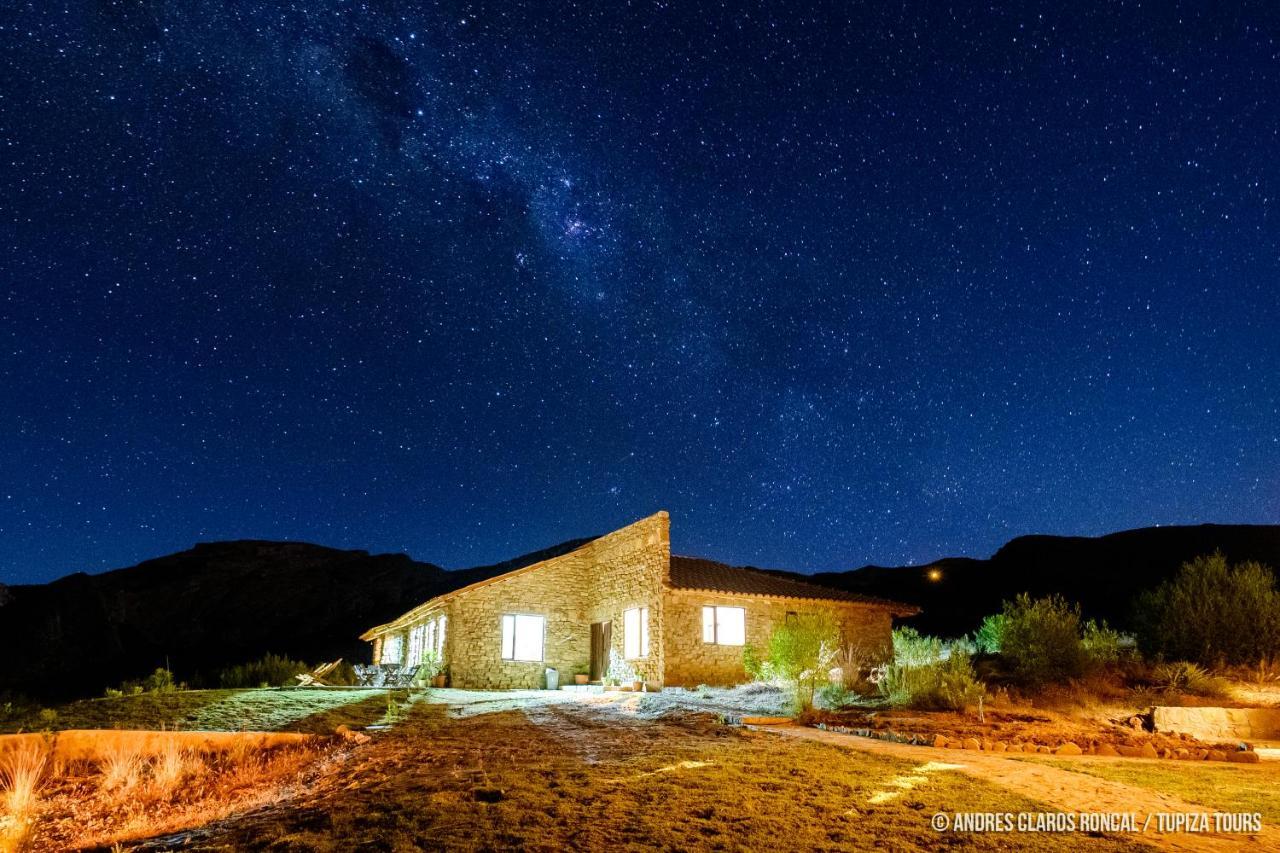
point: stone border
(1067, 748)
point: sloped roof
(711, 576)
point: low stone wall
(1212, 724)
(89, 744)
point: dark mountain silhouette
(1104, 574)
(217, 604)
(223, 603)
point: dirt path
(1063, 789)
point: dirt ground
(591, 776)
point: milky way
(832, 287)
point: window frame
(515, 622)
(398, 645)
(715, 625)
(642, 638)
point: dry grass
(125, 796)
(121, 771)
(22, 774)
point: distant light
(935, 575)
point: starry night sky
(832, 285)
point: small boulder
(1044, 750)
(1182, 753)
(971, 743)
(1147, 751)
(1107, 750)
(350, 736)
(999, 746)
(1200, 755)
(940, 741)
(1216, 755)
(1068, 748)
(1243, 757)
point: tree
(1041, 639)
(1212, 613)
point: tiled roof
(697, 573)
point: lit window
(522, 636)
(724, 626)
(440, 637)
(429, 636)
(635, 632)
(417, 635)
(391, 649)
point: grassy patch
(567, 777)
(1233, 788)
(317, 711)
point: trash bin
(553, 679)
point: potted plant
(442, 677)
(582, 673)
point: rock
(1243, 757)
(351, 737)
(1044, 750)
(999, 746)
(1107, 750)
(1216, 755)
(1181, 753)
(1147, 751)
(1200, 755)
(1129, 751)
(986, 745)
(1068, 748)
(940, 741)
(971, 743)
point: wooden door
(601, 640)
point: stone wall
(595, 583)
(1215, 724)
(690, 662)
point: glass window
(635, 632)
(417, 636)
(391, 649)
(522, 636)
(440, 637)
(724, 626)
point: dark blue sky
(833, 286)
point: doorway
(601, 640)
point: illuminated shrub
(269, 671)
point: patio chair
(315, 678)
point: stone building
(621, 597)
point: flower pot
(581, 678)
(439, 680)
(637, 686)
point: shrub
(161, 681)
(858, 663)
(989, 638)
(911, 648)
(836, 696)
(1212, 613)
(268, 671)
(1041, 639)
(21, 775)
(949, 683)
(1186, 677)
(800, 654)
(1103, 645)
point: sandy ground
(1056, 787)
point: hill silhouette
(217, 604)
(1103, 574)
(223, 603)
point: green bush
(989, 637)
(911, 648)
(836, 696)
(268, 671)
(800, 655)
(949, 683)
(1103, 645)
(1042, 639)
(160, 681)
(1212, 613)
